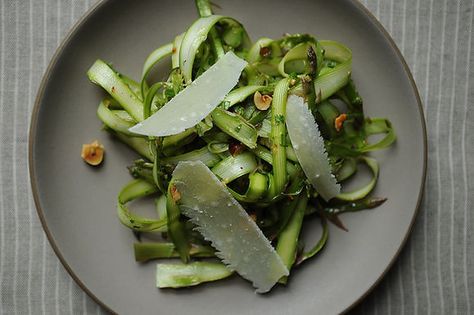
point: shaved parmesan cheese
(196, 101)
(221, 219)
(309, 147)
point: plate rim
(33, 130)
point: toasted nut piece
(175, 194)
(93, 153)
(253, 216)
(236, 148)
(265, 51)
(339, 120)
(262, 102)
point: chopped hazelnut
(339, 121)
(93, 153)
(262, 102)
(236, 148)
(265, 51)
(175, 194)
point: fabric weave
(435, 271)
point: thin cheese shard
(240, 244)
(196, 101)
(309, 147)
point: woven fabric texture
(434, 273)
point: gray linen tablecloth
(433, 275)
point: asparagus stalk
(204, 9)
(148, 251)
(176, 229)
(180, 275)
(288, 239)
(278, 135)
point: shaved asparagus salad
(240, 143)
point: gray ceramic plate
(76, 203)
